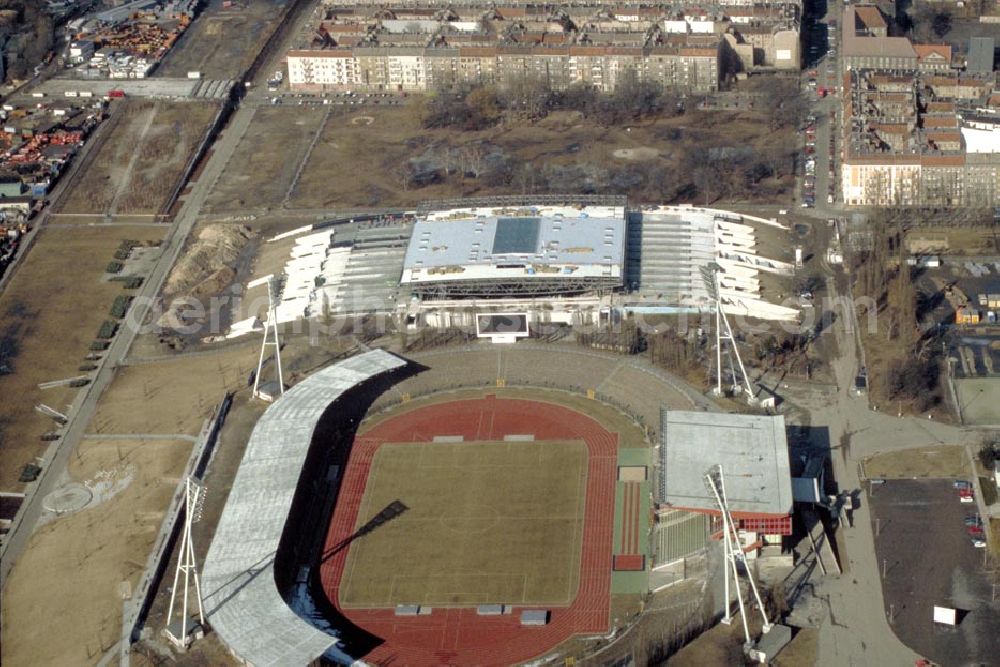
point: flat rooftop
(752, 450)
(526, 243)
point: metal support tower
(270, 328)
(194, 500)
(734, 555)
(724, 332)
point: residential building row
(917, 131)
(401, 48)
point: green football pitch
(486, 523)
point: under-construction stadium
(567, 260)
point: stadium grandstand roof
(242, 600)
(752, 450)
(516, 250)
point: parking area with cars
(931, 550)
(346, 98)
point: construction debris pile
(125, 49)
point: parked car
(978, 542)
(961, 484)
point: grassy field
(486, 523)
(222, 43)
(366, 156)
(264, 164)
(70, 576)
(49, 314)
(359, 157)
(139, 162)
(942, 461)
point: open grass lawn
(49, 314)
(263, 166)
(945, 461)
(498, 522)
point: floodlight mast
(724, 332)
(733, 553)
(194, 500)
(270, 329)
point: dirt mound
(211, 255)
(205, 269)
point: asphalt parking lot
(928, 557)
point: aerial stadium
(487, 504)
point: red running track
(459, 636)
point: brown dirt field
(951, 241)
(68, 579)
(104, 171)
(719, 645)
(167, 147)
(802, 650)
(942, 461)
(264, 164)
(49, 314)
(222, 43)
(173, 395)
(357, 164)
(137, 166)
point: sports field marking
(488, 522)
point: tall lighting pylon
(710, 276)
(734, 555)
(270, 330)
(194, 500)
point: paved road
(857, 631)
(86, 404)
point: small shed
(535, 617)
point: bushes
(108, 329)
(130, 282)
(99, 346)
(114, 267)
(913, 379)
(120, 306)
